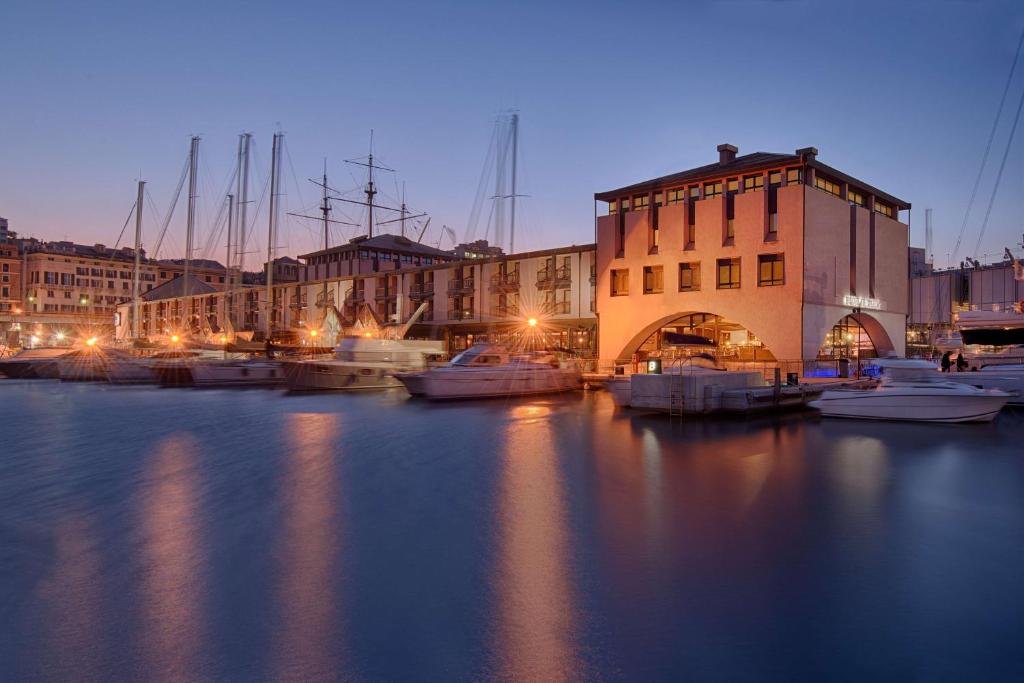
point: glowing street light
(60, 336)
(313, 333)
(532, 322)
(174, 339)
(91, 341)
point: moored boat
(1008, 378)
(38, 363)
(485, 371)
(238, 373)
(914, 390)
(361, 363)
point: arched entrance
(856, 336)
(700, 332)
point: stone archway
(625, 355)
(857, 326)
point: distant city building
(286, 269)
(477, 249)
(381, 253)
(919, 264)
(767, 256)
(5, 234)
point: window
(689, 277)
(775, 178)
(694, 191)
(625, 205)
(728, 273)
(654, 279)
(5, 292)
(825, 184)
(883, 209)
(7, 267)
(773, 223)
(641, 202)
(730, 228)
(676, 196)
(770, 270)
(733, 185)
(620, 282)
(691, 235)
(652, 248)
(793, 175)
(67, 294)
(855, 197)
(613, 207)
(658, 199)
(712, 189)
(753, 183)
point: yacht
(38, 363)
(914, 390)
(1005, 377)
(362, 363)
(90, 364)
(485, 371)
(141, 370)
(239, 373)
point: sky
(94, 96)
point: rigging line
(154, 214)
(988, 147)
(170, 209)
(215, 231)
(263, 195)
(485, 179)
(999, 175)
(131, 212)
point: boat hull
(912, 407)
(453, 383)
(1010, 381)
(34, 369)
(252, 374)
(328, 376)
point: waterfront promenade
(213, 535)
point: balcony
(556, 307)
(460, 313)
(423, 290)
(464, 286)
(554, 278)
(508, 311)
(505, 282)
(385, 295)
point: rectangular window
(854, 197)
(641, 202)
(620, 282)
(694, 191)
(654, 279)
(691, 235)
(753, 183)
(775, 178)
(689, 277)
(770, 270)
(728, 273)
(712, 189)
(733, 185)
(883, 209)
(773, 223)
(825, 184)
(658, 199)
(794, 176)
(676, 196)
(652, 248)
(7, 268)
(624, 205)
(730, 228)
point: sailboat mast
(242, 193)
(515, 153)
(227, 265)
(326, 209)
(370, 192)
(275, 172)
(193, 159)
(138, 260)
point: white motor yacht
(362, 363)
(914, 390)
(1008, 378)
(38, 363)
(90, 364)
(485, 371)
(238, 373)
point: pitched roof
(206, 264)
(176, 287)
(386, 242)
(747, 162)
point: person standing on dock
(945, 363)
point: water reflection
(172, 580)
(72, 591)
(304, 639)
(535, 598)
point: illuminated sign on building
(861, 302)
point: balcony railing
(556, 307)
(463, 285)
(548, 277)
(460, 313)
(421, 291)
(505, 281)
(509, 311)
(385, 295)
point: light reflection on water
(184, 535)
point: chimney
(807, 153)
(727, 153)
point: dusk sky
(901, 95)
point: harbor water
(171, 534)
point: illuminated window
(773, 223)
(641, 202)
(658, 199)
(654, 279)
(855, 197)
(728, 273)
(883, 209)
(793, 175)
(689, 277)
(613, 207)
(753, 183)
(676, 196)
(712, 189)
(730, 228)
(825, 184)
(620, 282)
(775, 178)
(733, 185)
(625, 205)
(770, 270)
(691, 235)
(694, 191)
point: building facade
(768, 256)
